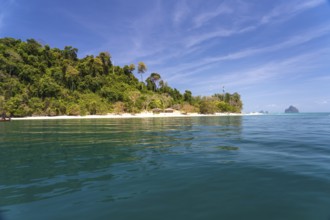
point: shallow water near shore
(225, 167)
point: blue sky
(274, 53)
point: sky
(273, 53)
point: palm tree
(142, 68)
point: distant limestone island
(291, 109)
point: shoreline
(128, 115)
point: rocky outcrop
(291, 109)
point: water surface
(235, 167)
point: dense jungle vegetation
(37, 80)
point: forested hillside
(38, 80)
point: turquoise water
(237, 167)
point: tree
(187, 96)
(175, 94)
(162, 84)
(16, 106)
(152, 81)
(236, 102)
(208, 105)
(227, 97)
(223, 106)
(106, 61)
(165, 100)
(134, 96)
(187, 108)
(142, 68)
(147, 99)
(118, 108)
(71, 76)
(32, 47)
(155, 77)
(131, 67)
(47, 55)
(47, 87)
(70, 53)
(2, 103)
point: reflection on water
(43, 159)
(227, 148)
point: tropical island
(37, 80)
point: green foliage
(47, 87)
(208, 106)
(40, 80)
(92, 104)
(16, 106)
(2, 103)
(187, 108)
(187, 96)
(119, 108)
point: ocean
(220, 167)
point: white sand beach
(128, 115)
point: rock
(291, 109)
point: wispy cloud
(150, 39)
(287, 10)
(264, 73)
(272, 105)
(294, 41)
(220, 32)
(136, 35)
(157, 44)
(322, 102)
(204, 17)
(280, 13)
(180, 12)
(191, 67)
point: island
(38, 80)
(291, 109)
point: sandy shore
(127, 115)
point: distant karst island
(291, 109)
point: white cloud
(289, 9)
(322, 102)
(197, 39)
(293, 41)
(194, 40)
(274, 70)
(203, 18)
(190, 68)
(172, 43)
(298, 39)
(180, 12)
(272, 106)
(279, 14)
(305, 5)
